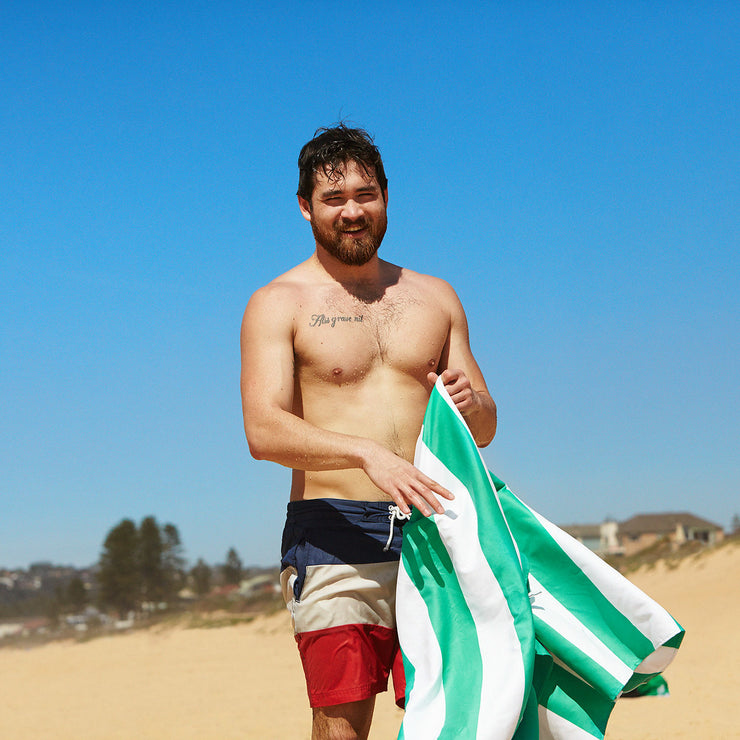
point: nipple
(336, 372)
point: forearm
(291, 441)
(284, 438)
(481, 418)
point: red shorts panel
(350, 663)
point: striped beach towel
(510, 628)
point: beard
(347, 249)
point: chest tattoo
(321, 319)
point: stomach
(351, 485)
(390, 412)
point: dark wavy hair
(331, 149)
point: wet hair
(331, 149)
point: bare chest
(342, 341)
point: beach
(245, 681)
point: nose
(351, 210)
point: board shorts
(339, 585)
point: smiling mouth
(353, 226)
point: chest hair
(384, 314)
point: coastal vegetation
(141, 577)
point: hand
(457, 384)
(403, 482)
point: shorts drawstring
(394, 513)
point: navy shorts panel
(337, 531)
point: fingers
(437, 488)
(426, 505)
(455, 381)
(457, 384)
(405, 483)
(423, 497)
(420, 492)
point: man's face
(347, 214)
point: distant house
(601, 538)
(643, 530)
(264, 583)
(228, 590)
(10, 629)
(36, 626)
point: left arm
(463, 379)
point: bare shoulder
(428, 285)
(280, 297)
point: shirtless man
(339, 355)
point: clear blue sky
(571, 168)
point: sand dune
(245, 681)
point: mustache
(362, 224)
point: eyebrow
(369, 188)
(330, 193)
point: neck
(371, 272)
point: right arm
(275, 433)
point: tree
(201, 575)
(52, 607)
(140, 565)
(173, 560)
(150, 557)
(232, 569)
(76, 595)
(119, 568)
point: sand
(245, 681)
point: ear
(385, 196)
(305, 207)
